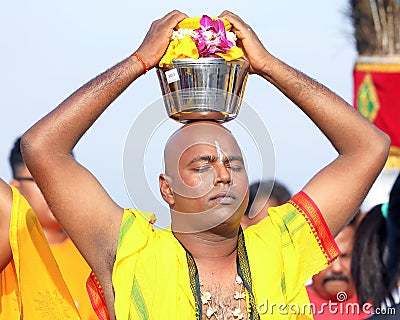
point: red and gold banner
(377, 97)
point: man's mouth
(336, 278)
(223, 198)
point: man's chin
(333, 287)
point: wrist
(270, 67)
(140, 59)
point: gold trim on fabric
(304, 204)
(393, 161)
(377, 67)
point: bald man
(206, 266)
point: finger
(239, 27)
(167, 23)
(174, 17)
(172, 13)
(231, 17)
(224, 13)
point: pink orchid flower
(211, 37)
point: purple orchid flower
(211, 38)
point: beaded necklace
(243, 269)
(206, 299)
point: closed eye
(235, 168)
(234, 164)
(202, 168)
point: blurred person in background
(375, 262)
(334, 285)
(31, 285)
(262, 195)
(73, 267)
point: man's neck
(208, 245)
(214, 255)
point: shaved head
(191, 134)
(204, 173)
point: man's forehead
(201, 134)
(215, 150)
(345, 238)
(200, 138)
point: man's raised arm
(79, 202)
(339, 188)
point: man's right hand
(158, 37)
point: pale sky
(50, 48)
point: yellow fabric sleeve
(43, 293)
(286, 248)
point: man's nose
(336, 266)
(222, 174)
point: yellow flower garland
(186, 48)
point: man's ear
(166, 190)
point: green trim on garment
(194, 284)
(138, 301)
(283, 284)
(289, 217)
(125, 228)
(243, 269)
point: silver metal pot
(203, 89)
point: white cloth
(380, 190)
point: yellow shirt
(75, 271)
(9, 309)
(32, 285)
(155, 278)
